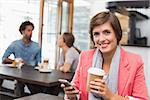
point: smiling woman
(124, 70)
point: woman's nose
(101, 38)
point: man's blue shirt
(30, 53)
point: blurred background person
(69, 56)
(26, 49)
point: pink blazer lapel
(123, 73)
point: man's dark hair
(24, 24)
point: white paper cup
(94, 73)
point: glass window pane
(64, 17)
(12, 14)
(81, 24)
(49, 31)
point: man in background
(25, 49)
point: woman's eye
(96, 33)
(107, 32)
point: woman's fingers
(99, 80)
(73, 92)
(62, 85)
(98, 84)
(97, 88)
(67, 88)
(70, 90)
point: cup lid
(96, 71)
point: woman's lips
(104, 45)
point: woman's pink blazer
(131, 80)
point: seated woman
(69, 57)
(124, 70)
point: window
(49, 32)
(81, 24)
(18, 11)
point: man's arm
(66, 67)
(38, 57)
(8, 52)
(7, 61)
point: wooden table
(41, 96)
(28, 74)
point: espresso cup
(46, 61)
(94, 73)
(45, 66)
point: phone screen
(65, 82)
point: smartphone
(65, 82)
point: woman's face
(104, 38)
(60, 41)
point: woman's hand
(99, 87)
(71, 92)
(61, 68)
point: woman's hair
(69, 40)
(103, 17)
(24, 24)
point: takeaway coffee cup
(94, 73)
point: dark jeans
(19, 89)
(1, 82)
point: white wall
(145, 24)
(99, 5)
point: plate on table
(37, 67)
(45, 70)
(9, 65)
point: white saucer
(45, 70)
(37, 67)
(9, 65)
